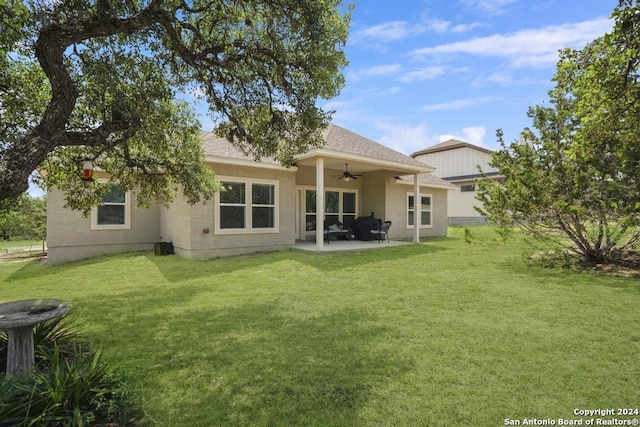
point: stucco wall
(396, 211)
(175, 223)
(461, 204)
(70, 237)
(374, 197)
(193, 231)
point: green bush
(70, 385)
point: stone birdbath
(19, 318)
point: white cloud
(386, 32)
(491, 7)
(427, 73)
(374, 93)
(405, 138)
(442, 26)
(464, 28)
(505, 78)
(526, 48)
(438, 25)
(393, 31)
(408, 139)
(473, 135)
(460, 104)
(377, 71)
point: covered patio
(368, 173)
(347, 245)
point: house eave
(248, 163)
(473, 177)
(449, 187)
(373, 161)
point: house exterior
(265, 206)
(459, 163)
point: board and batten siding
(457, 162)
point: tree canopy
(24, 217)
(579, 175)
(98, 79)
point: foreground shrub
(70, 385)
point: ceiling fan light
(347, 178)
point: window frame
(248, 205)
(430, 210)
(127, 212)
(341, 213)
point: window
(468, 188)
(348, 207)
(332, 207)
(246, 206)
(233, 205)
(115, 211)
(310, 210)
(263, 197)
(424, 210)
(339, 206)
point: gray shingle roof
(340, 139)
(449, 145)
(223, 148)
(336, 139)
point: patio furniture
(337, 230)
(382, 231)
(363, 225)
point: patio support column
(319, 204)
(417, 212)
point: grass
(20, 249)
(37, 244)
(455, 331)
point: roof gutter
(249, 163)
(389, 164)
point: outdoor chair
(381, 232)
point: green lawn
(442, 333)
(37, 244)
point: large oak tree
(99, 79)
(578, 176)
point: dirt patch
(22, 255)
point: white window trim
(341, 214)
(248, 219)
(127, 214)
(410, 227)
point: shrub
(70, 385)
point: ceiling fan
(346, 175)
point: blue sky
(423, 71)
